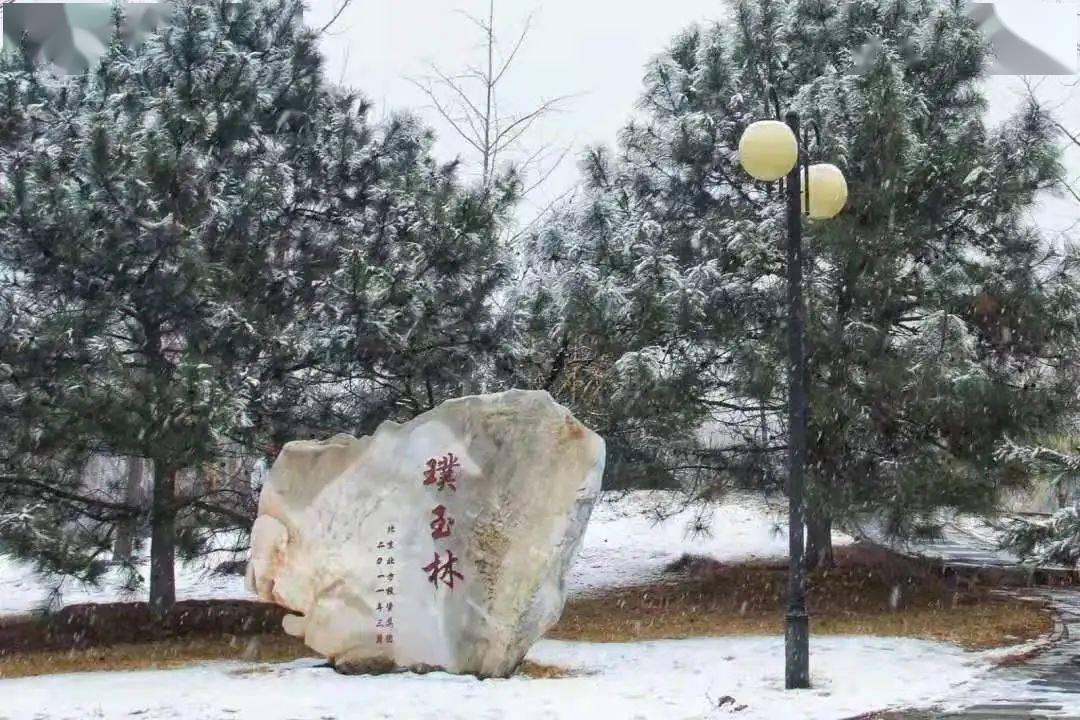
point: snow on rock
(671, 679)
(440, 543)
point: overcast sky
(595, 50)
(592, 49)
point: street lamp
(768, 151)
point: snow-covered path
(964, 542)
(668, 680)
(1044, 687)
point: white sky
(593, 49)
(1052, 26)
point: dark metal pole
(797, 635)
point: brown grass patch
(167, 654)
(127, 636)
(539, 671)
(869, 592)
(96, 625)
(155, 655)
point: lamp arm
(806, 135)
(771, 95)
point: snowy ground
(623, 545)
(22, 591)
(964, 541)
(666, 680)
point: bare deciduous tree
(135, 496)
(1072, 186)
(1060, 120)
(469, 100)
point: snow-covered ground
(22, 591)
(662, 680)
(964, 540)
(623, 545)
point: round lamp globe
(828, 191)
(768, 150)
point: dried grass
(539, 671)
(156, 655)
(868, 592)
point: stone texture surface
(439, 543)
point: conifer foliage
(208, 249)
(940, 323)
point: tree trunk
(819, 548)
(163, 540)
(240, 472)
(133, 495)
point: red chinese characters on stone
(440, 473)
(441, 525)
(443, 571)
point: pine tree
(939, 322)
(209, 250)
(405, 317)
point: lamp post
(770, 150)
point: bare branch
(517, 46)
(1069, 189)
(558, 200)
(453, 83)
(1065, 131)
(522, 124)
(344, 4)
(445, 113)
(537, 158)
(1075, 140)
(469, 100)
(483, 26)
(241, 519)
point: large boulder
(442, 543)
